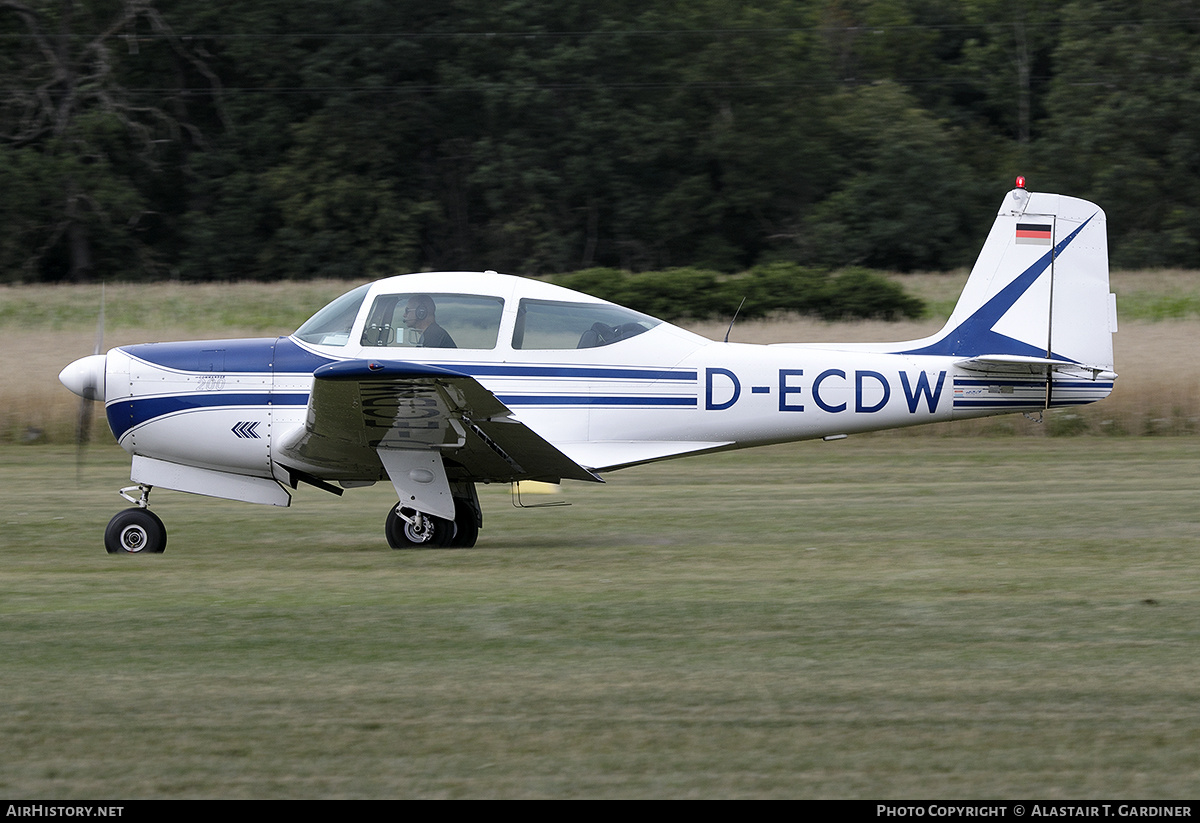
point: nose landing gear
(137, 530)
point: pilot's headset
(412, 337)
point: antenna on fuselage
(733, 319)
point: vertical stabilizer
(1039, 289)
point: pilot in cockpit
(421, 315)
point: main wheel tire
(466, 525)
(401, 534)
(135, 531)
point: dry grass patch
(46, 327)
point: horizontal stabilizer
(1019, 364)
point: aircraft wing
(360, 406)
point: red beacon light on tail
(1020, 184)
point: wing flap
(360, 406)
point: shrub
(772, 287)
(862, 293)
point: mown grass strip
(870, 618)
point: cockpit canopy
(331, 325)
(405, 318)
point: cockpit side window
(433, 320)
(549, 324)
(331, 325)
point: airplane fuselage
(221, 404)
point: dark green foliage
(1127, 134)
(906, 199)
(852, 293)
(777, 287)
(861, 293)
(677, 292)
(607, 284)
(306, 139)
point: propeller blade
(83, 433)
(100, 325)
(87, 409)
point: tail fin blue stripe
(975, 335)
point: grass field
(877, 617)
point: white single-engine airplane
(440, 381)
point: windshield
(331, 325)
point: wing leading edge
(359, 407)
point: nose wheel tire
(135, 531)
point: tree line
(148, 139)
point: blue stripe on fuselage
(124, 415)
(247, 356)
(283, 356)
(602, 372)
(292, 358)
(1000, 380)
(1027, 402)
(593, 400)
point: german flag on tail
(1033, 234)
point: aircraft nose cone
(85, 377)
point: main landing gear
(409, 529)
(137, 530)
